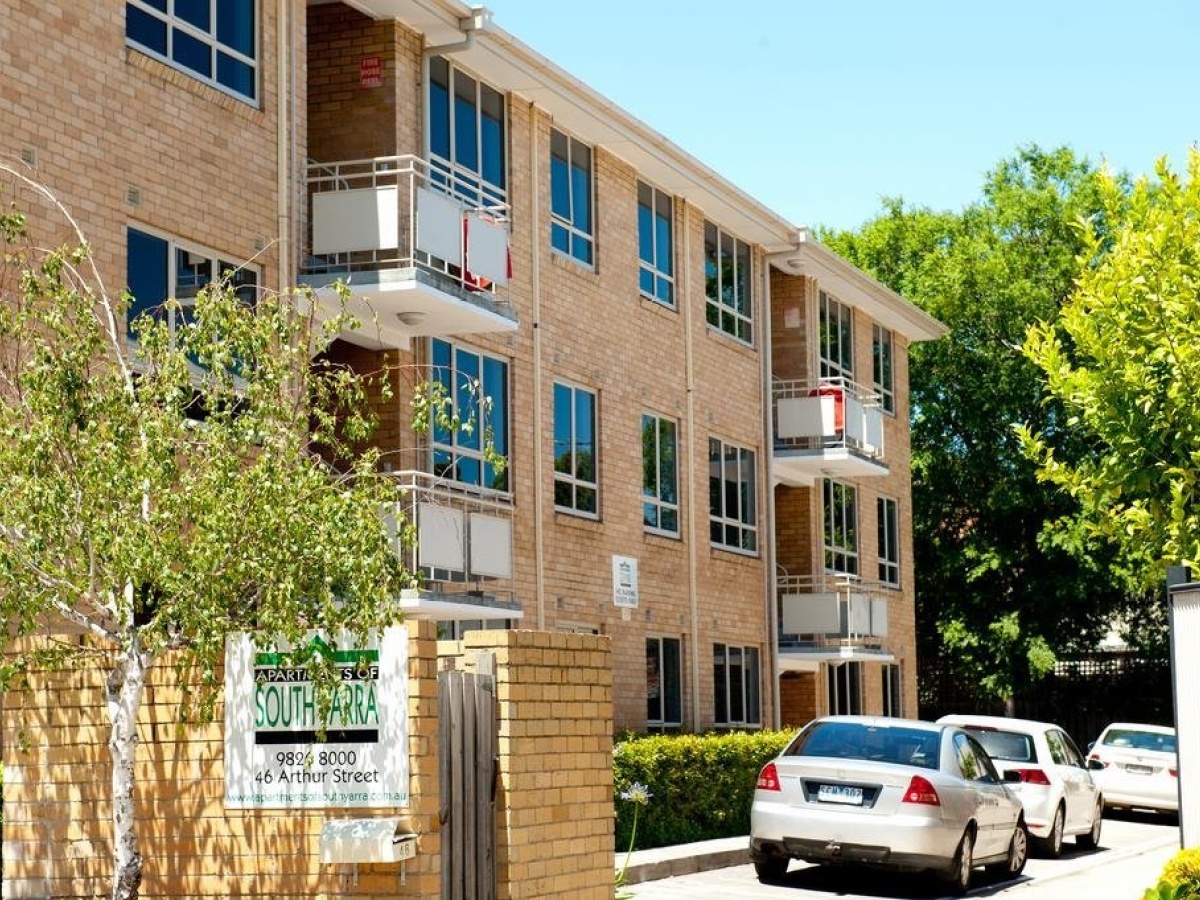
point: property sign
(275, 756)
(370, 71)
(625, 581)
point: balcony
(828, 428)
(423, 248)
(463, 550)
(829, 618)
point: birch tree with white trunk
(165, 490)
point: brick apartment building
(704, 411)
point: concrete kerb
(703, 856)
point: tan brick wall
(57, 790)
(555, 801)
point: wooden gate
(467, 747)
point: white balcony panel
(873, 439)
(855, 426)
(355, 220)
(487, 248)
(858, 612)
(801, 417)
(441, 537)
(439, 225)
(811, 614)
(879, 618)
(491, 546)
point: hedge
(700, 786)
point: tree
(1122, 359)
(161, 494)
(996, 593)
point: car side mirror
(1091, 744)
(1095, 765)
(1011, 776)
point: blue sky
(819, 109)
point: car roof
(999, 722)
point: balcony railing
(463, 550)
(427, 244)
(828, 426)
(832, 612)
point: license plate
(839, 793)
(1138, 770)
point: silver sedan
(891, 793)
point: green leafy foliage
(1180, 879)
(999, 592)
(1122, 358)
(701, 785)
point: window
(888, 514)
(727, 283)
(575, 478)
(733, 514)
(660, 474)
(466, 132)
(664, 682)
(735, 685)
(845, 689)
(836, 339)
(841, 527)
(571, 198)
(893, 699)
(656, 248)
(477, 387)
(158, 268)
(215, 41)
(881, 351)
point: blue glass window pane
(666, 291)
(560, 189)
(663, 241)
(441, 375)
(145, 272)
(492, 163)
(645, 221)
(585, 448)
(439, 108)
(144, 29)
(196, 12)
(495, 386)
(469, 470)
(646, 282)
(562, 429)
(235, 25)
(191, 53)
(235, 75)
(581, 197)
(467, 401)
(466, 145)
(559, 238)
(581, 249)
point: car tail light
(1174, 773)
(921, 791)
(1032, 776)
(768, 778)
(1103, 762)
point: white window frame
(835, 338)
(893, 690)
(731, 315)
(653, 503)
(887, 510)
(471, 409)
(462, 174)
(733, 466)
(572, 480)
(751, 684)
(845, 688)
(839, 502)
(209, 38)
(663, 721)
(660, 267)
(577, 236)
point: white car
(1140, 766)
(890, 793)
(1056, 782)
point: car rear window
(1139, 740)
(859, 740)
(1011, 746)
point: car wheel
(771, 869)
(958, 876)
(1018, 853)
(1091, 840)
(1051, 844)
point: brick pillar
(554, 806)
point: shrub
(702, 785)
(1180, 878)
